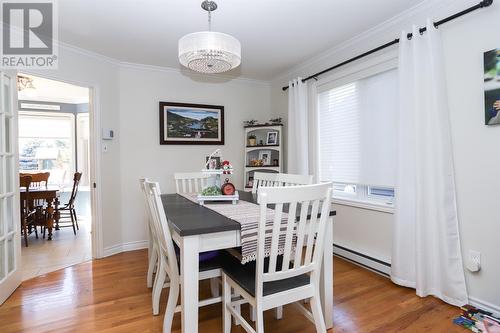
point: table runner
(248, 214)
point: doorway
(53, 137)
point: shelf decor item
(272, 138)
(193, 124)
(265, 157)
(252, 140)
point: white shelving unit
(252, 152)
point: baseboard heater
(361, 259)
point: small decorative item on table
(214, 191)
(228, 188)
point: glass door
(10, 246)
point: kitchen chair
(167, 265)
(264, 179)
(67, 213)
(273, 180)
(190, 182)
(38, 179)
(288, 278)
(28, 211)
(288, 179)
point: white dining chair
(288, 278)
(167, 263)
(153, 246)
(264, 179)
(195, 182)
(190, 182)
(288, 179)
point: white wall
(141, 89)
(476, 152)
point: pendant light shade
(209, 51)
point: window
(46, 143)
(357, 137)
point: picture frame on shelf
(214, 164)
(272, 138)
(265, 156)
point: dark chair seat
(208, 260)
(244, 275)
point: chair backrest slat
(301, 233)
(311, 228)
(190, 182)
(276, 228)
(290, 231)
(309, 223)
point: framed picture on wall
(191, 124)
(492, 87)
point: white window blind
(357, 131)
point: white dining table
(196, 228)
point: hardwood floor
(110, 295)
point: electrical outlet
(474, 262)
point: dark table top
(188, 218)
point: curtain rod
(482, 4)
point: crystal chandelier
(209, 51)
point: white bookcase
(254, 152)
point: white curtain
(426, 252)
(302, 128)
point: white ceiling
(275, 34)
(46, 90)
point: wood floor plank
(110, 295)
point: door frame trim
(95, 156)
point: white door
(10, 238)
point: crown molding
(403, 17)
(125, 64)
(87, 53)
(220, 77)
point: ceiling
(46, 90)
(275, 34)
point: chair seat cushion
(207, 260)
(244, 276)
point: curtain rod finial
(486, 3)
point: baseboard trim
(483, 305)
(125, 247)
(361, 259)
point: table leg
(57, 215)
(326, 284)
(189, 285)
(50, 218)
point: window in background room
(46, 143)
(357, 137)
